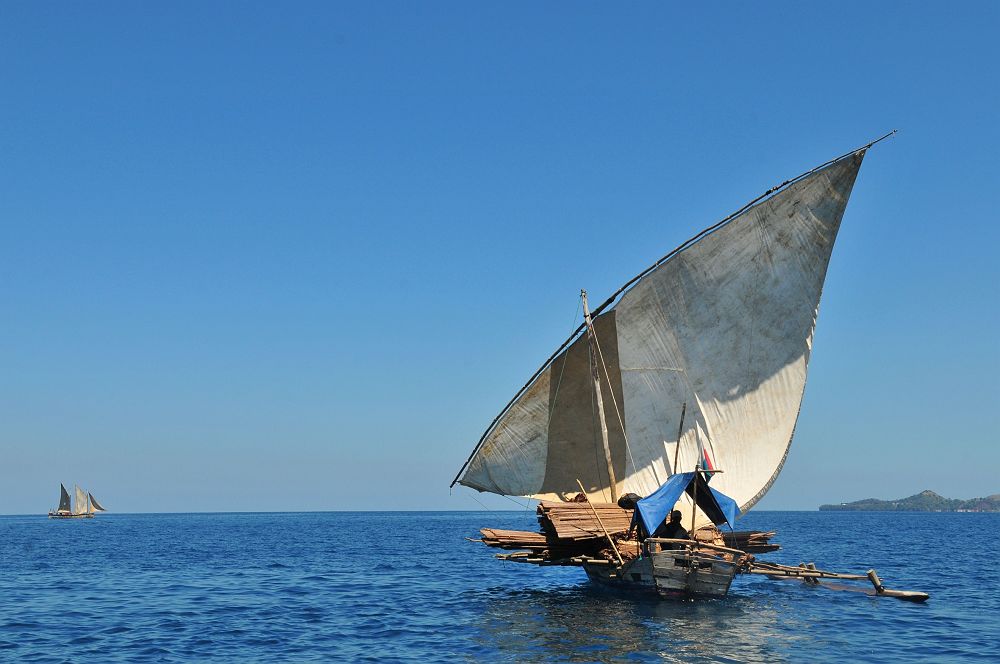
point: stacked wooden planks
(542, 546)
(568, 530)
(577, 521)
(751, 541)
(514, 539)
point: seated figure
(672, 528)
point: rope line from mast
(480, 503)
(599, 467)
(618, 412)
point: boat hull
(686, 573)
(56, 515)
(671, 574)
(636, 576)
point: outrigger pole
(811, 575)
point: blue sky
(281, 257)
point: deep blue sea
(408, 587)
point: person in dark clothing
(672, 528)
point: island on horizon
(925, 501)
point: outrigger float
(702, 358)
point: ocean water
(408, 587)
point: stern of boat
(684, 568)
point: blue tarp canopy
(654, 508)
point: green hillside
(925, 501)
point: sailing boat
(691, 372)
(84, 507)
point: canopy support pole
(694, 499)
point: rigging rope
(618, 412)
(525, 506)
(480, 503)
(598, 466)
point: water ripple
(287, 587)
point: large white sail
(81, 501)
(725, 326)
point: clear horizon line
(344, 511)
(456, 511)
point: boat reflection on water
(578, 623)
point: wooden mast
(680, 431)
(694, 497)
(595, 373)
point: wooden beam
(614, 547)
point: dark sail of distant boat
(64, 506)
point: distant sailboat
(84, 508)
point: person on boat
(672, 528)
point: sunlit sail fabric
(94, 505)
(725, 326)
(81, 501)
